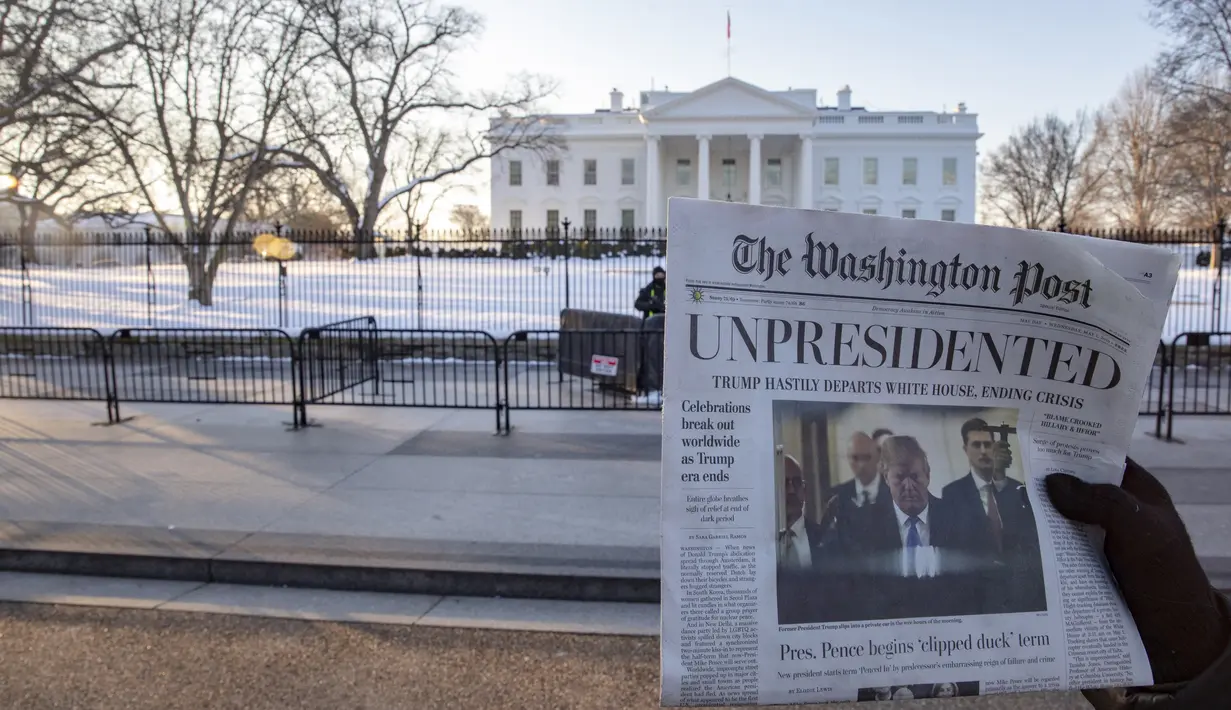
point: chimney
(617, 100)
(961, 107)
(844, 98)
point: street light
(9, 183)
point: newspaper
(858, 416)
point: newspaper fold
(859, 413)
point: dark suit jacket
(1019, 565)
(846, 497)
(795, 586)
(862, 569)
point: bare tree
(1045, 174)
(66, 169)
(1197, 61)
(1136, 152)
(468, 218)
(1199, 135)
(1195, 71)
(213, 77)
(295, 199)
(383, 85)
(50, 51)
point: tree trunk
(201, 276)
(365, 236)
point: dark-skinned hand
(1156, 567)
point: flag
(728, 24)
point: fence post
(416, 233)
(567, 253)
(27, 294)
(1216, 291)
(149, 280)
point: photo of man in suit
(906, 532)
(800, 541)
(867, 489)
(914, 562)
(799, 548)
(997, 504)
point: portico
(753, 168)
(723, 136)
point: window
(910, 171)
(683, 171)
(728, 173)
(831, 171)
(626, 222)
(553, 172)
(514, 172)
(869, 210)
(591, 172)
(514, 219)
(908, 214)
(553, 219)
(948, 215)
(773, 172)
(628, 169)
(948, 171)
(589, 218)
(871, 171)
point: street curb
(432, 582)
(352, 578)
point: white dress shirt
(871, 491)
(925, 538)
(984, 491)
(921, 561)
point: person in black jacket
(651, 300)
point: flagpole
(728, 44)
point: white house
(735, 141)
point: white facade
(734, 141)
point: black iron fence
(497, 281)
(350, 362)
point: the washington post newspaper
(858, 416)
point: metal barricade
(58, 364)
(368, 366)
(535, 376)
(1198, 378)
(205, 366)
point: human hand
(1002, 457)
(1156, 567)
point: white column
(754, 170)
(653, 183)
(805, 171)
(703, 167)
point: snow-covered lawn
(494, 295)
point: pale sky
(1008, 60)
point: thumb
(1102, 504)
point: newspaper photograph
(858, 416)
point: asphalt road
(111, 659)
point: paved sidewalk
(567, 494)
